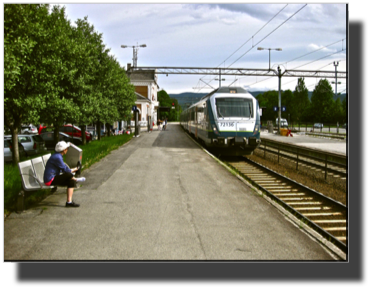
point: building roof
(141, 97)
(136, 76)
(142, 75)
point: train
(226, 121)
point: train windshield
(234, 107)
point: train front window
(234, 107)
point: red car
(74, 131)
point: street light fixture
(135, 50)
(269, 49)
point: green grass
(91, 153)
(96, 150)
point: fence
(328, 162)
(339, 128)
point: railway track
(321, 213)
(330, 164)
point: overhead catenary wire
(249, 39)
(268, 35)
(323, 47)
(253, 35)
(306, 63)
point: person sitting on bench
(53, 169)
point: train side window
(200, 114)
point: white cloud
(206, 35)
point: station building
(146, 88)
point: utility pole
(279, 100)
(336, 63)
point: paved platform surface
(158, 197)
(332, 145)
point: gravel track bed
(334, 188)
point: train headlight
(256, 128)
(215, 129)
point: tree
(287, 100)
(121, 92)
(56, 73)
(322, 102)
(166, 101)
(337, 111)
(25, 84)
(113, 93)
(301, 101)
(344, 108)
(271, 98)
(61, 69)
(175, 113)
(262, 104)
(89, 47)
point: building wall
(147, 88)
(143, 90)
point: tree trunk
(108, 126)
(15, 150)
(83, 130)
(98, 129)
(56, 133)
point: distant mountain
(188, 98)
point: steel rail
(304, 203)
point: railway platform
(326, 144)
(159, 197)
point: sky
(311, 37)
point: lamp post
(336, 63)
(269, 49)
(135, 50)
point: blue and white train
(226, 121)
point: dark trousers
(64, 180)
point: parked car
(29, 129)
(8, 150)
(48, 137)
(284, 122)
(318, 125)
(75, 131)
(94, 134)
(33, 144)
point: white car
(284, 122)
(33, 144)
(29, 129)
(8, 150)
